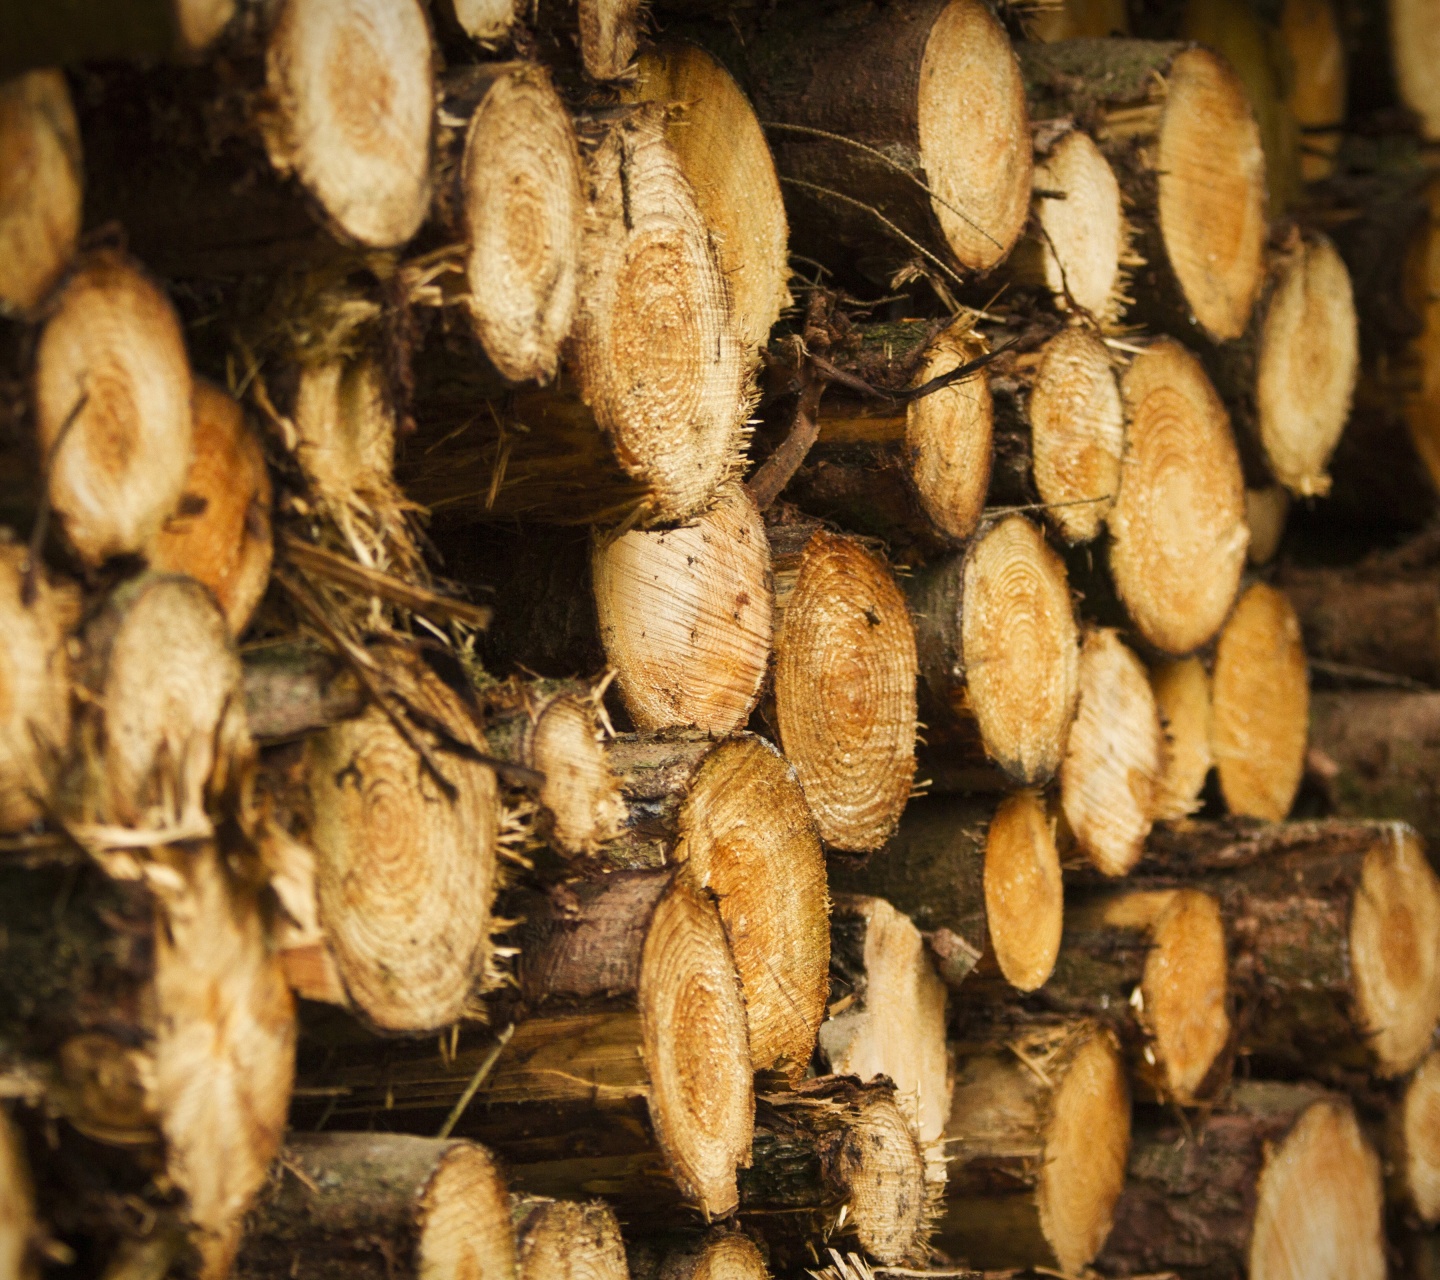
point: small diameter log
(1413, 1141)
(1178, 531)
(220, 532)
(1177, 128)
(1115, 756)
(487, 22)
(1278, 1183)
(1036, 1144)
(720, 1255)
(510, 191)
(604, 33)
(20, 1233)
(735, 820)
(1183, 698)
(112, 409)
(563, 1240)
(1412, 51)
(1310, 32)
(844, 683)
(914, 474)
(888, 1012)
(976, 877)
(921, 109)
(381, 1206)
(722, 151)
(35, 677)
(155, 1018)
(650, 421)
(1260, 706)
(41, 180)
(998, 649)
(685, 616)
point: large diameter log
(1183, 698)
(152, 1010)
(650, 421)
(976, 877)
(40, 190)
(844, 683)
(1178, 531)
(1260, 706)
(381, 1205)
(567, 1241)
(999, 650)
(510, 190)
(722, 150)
(112, 409)
(1178, 130)
(1036, 1144)
(35, 677)
(1279, 1183)
(887, 1016)
(220, 532)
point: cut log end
(487, 22)
(1182, 694)
(522, 213)
(1395, 950)
(609, 34)
(948, 439)
(563, 1240)
(1178, 526)
(220, 533)
(353, 92)
(974, 133)
(685, 617)
(1413, 46)
(1024, 898)
(696, 1049)
(1419, 1140)
(1261, 705)
(580, 796)
(747, 837)
(40, 187)
(464, 1216)
(882, 1170)
(1115, 756)
(19, 1228)
(1212, 192)
(1320, 1202)
(1083, 230)
(112, 409)
(1077, 431)
(722, 1255)
(1309, 357)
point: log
(977, 877)
(40, 193)
(1311, 35)
(721, 149)
(1178, 531)
(35, 674)
(1115, 756)
(220, 532)
(20, 1232)
(721, 1254)
(377, 1206)
(603, 33)
(999, 651)
(1279, 1182)
(148, 30)
(154, 1017)
(1183, 697)
(844, 683)
(888, 1013)
(1260, 706)
(113, 426)
(1412, 49)
(1413, 1146)
(1265, 514)
(649, 421)
(486, 22)
(567, 1241)
(1037, 1139)
(509, 190)
(1175, 124)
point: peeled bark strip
(651, 420)
(844, 683)
(1311, 35)
(35, 680)
(1183, 698)
(1278, 1183)
(722, 151)
(1115, 756)
(19, 1228)
(165, 1019)
(112, 409)
(998, 648)
(1176, 125)
(888, 1014)
(40, 187)
(1413, 50)
(511, 190)
(220, 532)
(381, 1206)
(1037, 1140)
(685, 617)
(931, 85)
(1261, 706)
(562, 1240)
(720, 1255)
(1178, 531)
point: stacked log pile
(720, 641)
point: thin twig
(779, 468)
(1369, 675)
(487, 1063)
